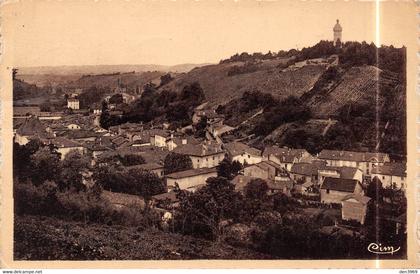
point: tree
(73, 167)
(147, 184)
(375, 189)
(256, 189)
(256, 200)
(46, 165)
(14, 73)
(175, 162)
(201, 213)
(22, 165)
(228, 168)
(116, 99)
(131, 159)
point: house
(31, 128)
(64, 146)
(158, 137)
(151, 167)
(266, 170)
(73, 126)
(286, 157)
(306, 172)
(219, 130)
(81, 135)
(212, 117)
(176, 141)
(391, 175)
(306, 188)
(363, 160)
(281, 185)
(202, 155)
(190, 179)
(95, 149)
(119, 141)
(73, 103)
(243, 153)
(354, 207)
(334, 190)
(96, 108)
(343, 172)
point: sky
(53, 33)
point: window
(249, 156)
(213, 158)
(328, 191)
(383, 177)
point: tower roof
(337, 26)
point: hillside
(131, 80)
(266, 76)
(355, 85)
(46, 238)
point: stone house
(243, 153)
(354, 207)
(306, 172)
(365, 161)
(206, 155)
(64, 146)
(266, 170)
(392, 175)
(339, 172)
(286, 157)
(334, 190)
(73, 103)
(31, 128)
(190, 179)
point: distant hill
(104, 69)
(131, 80)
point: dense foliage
(175, 162)
(288, 110)
(176, 108)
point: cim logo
(379, 249)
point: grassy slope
(43, 238)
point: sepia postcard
(209, 134)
